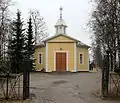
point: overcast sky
(76, 14)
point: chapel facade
(61, 52)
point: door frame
(55, 59)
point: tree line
(105, 23)
(17, 41)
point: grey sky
(76, 14)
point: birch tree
(105, 23)
(39, 26)
(4, 28)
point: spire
(60, 25)
(61, 12)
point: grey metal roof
(40, 44)
(58, 36)
(81, 44)
(60, 22)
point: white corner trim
(55, 59)
(45, 58)
(88, 61)
(46, 50)
(67, 61)
(75, 52)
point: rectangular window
(40, 58)
(81, 58)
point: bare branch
(39, 26)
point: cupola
(60, 25)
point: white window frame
(82, 58)
(41, 57)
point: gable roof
(79, 43)
(60, 35)
(41, 44)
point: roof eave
(39, 46)
(83, 46)
(60, 25)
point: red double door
(60, 61)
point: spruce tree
(30, 44)
(17, 44)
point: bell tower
(60, 25)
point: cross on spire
(61, 12)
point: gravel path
(66, 88)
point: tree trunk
(105, 76)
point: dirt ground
(65, 88)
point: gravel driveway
(66, 88)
